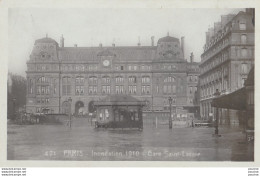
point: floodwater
(85, 143)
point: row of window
(221, 45)
(212, 63)
(105, 89)
(209, 91)
(95, 67)
(105, 79)
(220, 34)
(43, 100)
(242, 69)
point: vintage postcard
(131, 84)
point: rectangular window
(121, 89)
(38, 89)
(81, 90)
(244, 52)
(122, 67)
(190, 90)
(77, 90)
(95, 89)
(244, 68)
(148, 89)
(117, 89)
(242, 26)
(68, 89)
(47, 89)
(143, 89)
(243, 39)
(90, 89)
(108, 89)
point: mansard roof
(168, 39)
(127, 53)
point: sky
(89, 27)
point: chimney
(113, 45)
(182, 46)
(46, 35)
(100, 45)
(191, 57)
(75, 45)
(152, 40)
(62, 41)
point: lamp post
(216, 94)
(70, 100)
(170, 118)
(14, 101)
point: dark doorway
(91, 107)
(79, 108)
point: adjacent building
(56, 73)
(225, 63)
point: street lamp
(70, 100)
(216, 94)
(170, 118)
(14, 101)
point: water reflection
(84, 142)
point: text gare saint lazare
(128, 153)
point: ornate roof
(168, 39)
(46, 40)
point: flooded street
(83, 143)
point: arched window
(169, 79)
(92, 80)
(119, 79)
(132, 79)
(106, 80)
(79, 80)
(146, 79)
(43, 79)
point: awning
(235, 100)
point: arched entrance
(79, 108)
(65, 107)
(91, 107)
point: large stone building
(86, 74)
(227, 58)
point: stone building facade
(85, 74)
(227, 58)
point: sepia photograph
(151, 84)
